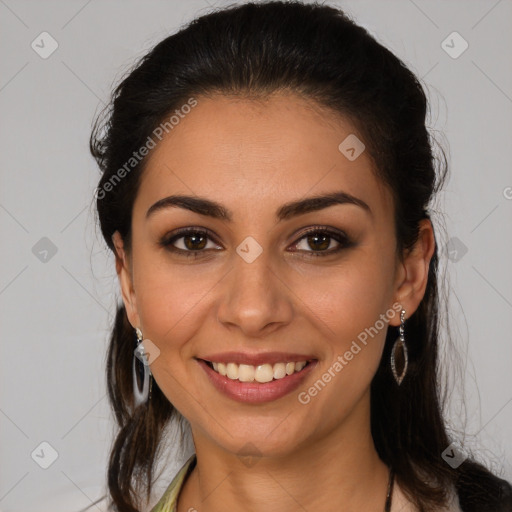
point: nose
(255, 298)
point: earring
(141, 397)
(399, 352)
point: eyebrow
(210, 208)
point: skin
(252, 157)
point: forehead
(248, 153)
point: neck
(340, 470)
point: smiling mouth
(262, 373)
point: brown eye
(187, 242)
(321, 241)
(195, 241)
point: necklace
(389, 495)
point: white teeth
(246, 373)
(232, 371)
(221, 368)
(279, 370)
(262, 373)
(299, 366)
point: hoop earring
(141, 397)
(399, 351)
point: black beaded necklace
(389, 495)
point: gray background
(56, 309)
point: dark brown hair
(318, 52)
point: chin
(263, 440)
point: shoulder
(167, 502)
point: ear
(125, 280)
(412, 276)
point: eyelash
(344, 241)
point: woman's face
(257, 284)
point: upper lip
(257, 359)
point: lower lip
(255, 392)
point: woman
(266, 181)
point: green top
(169, 500)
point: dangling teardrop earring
(399, 352)
(141, 397)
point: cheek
(348, 298)
(349, 306)
(354, 324)
(169, 300)
(173, 302)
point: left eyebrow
(315, 203)
(207, 207)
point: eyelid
(344, 241)
(320, 228)
(181, 232)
